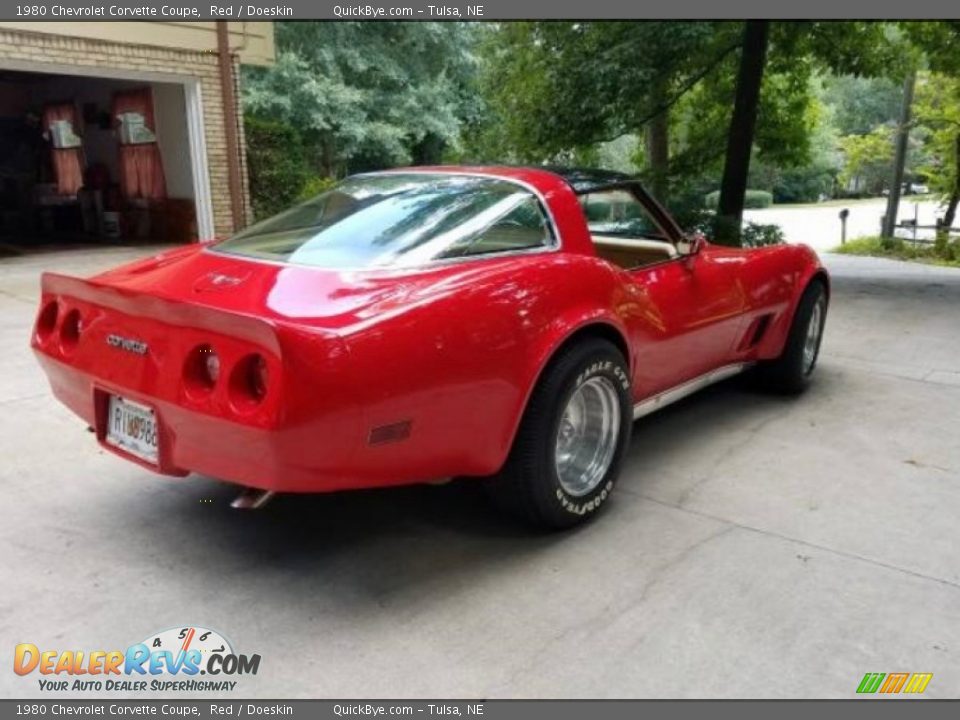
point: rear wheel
(790, 373)
(567, 453)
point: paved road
(819, 226)
(756, 547)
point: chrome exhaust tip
(252, 499)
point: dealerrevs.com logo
(170, 661)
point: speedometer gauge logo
(185, 639)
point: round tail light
(249, 382)
(211, 366)
(47, 320)
(70, 330)
(201, 370)
(258, 378)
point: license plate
(132, 427)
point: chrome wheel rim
(587, 436)
(812, 341)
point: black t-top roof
(584, 180)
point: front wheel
(790, 373)
(567, 453)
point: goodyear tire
(790, 373)
(569, 446)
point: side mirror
(691, 245)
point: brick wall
(39, 49)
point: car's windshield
(399, 220)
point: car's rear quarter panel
(459, 365)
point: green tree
(793, 50)
(937, 106)
(740, 136)
(277, 171)
(860, 104)
(938, 102)
(556, 90)
(867, 160)
(367, 95)
(807, 181)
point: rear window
(399, 220)
(618, 212)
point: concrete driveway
(819, 225)
(756, 546)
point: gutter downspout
(230, 125)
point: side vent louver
(755, 332)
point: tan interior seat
(632, 253)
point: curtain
(141, 168)
(59, 125)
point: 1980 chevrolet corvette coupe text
(419, 324)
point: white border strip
(202, 197)
(678, 392)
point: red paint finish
(383, 377)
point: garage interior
(88, 161)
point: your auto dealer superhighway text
(236, 709)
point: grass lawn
(897, 249)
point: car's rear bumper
(283, 458)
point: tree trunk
(943, 232)
(326, 157)
(951, 213)
(657, 136)
(951, 209)
(733, 186)
(429, 151)
(900, 159)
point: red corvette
(425, 323)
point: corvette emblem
(213, 281)
(224, 280)
(130, 345)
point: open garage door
(92, 160)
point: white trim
(96, 71)
(619, 243)
(193, 107)
(202, 201)
(678, 392)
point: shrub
(276, 164)
(758, 234)
(805, 184)
(315, 186)
(750, 234)
(752, 199)
(693, 220)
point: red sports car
(419, 324)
